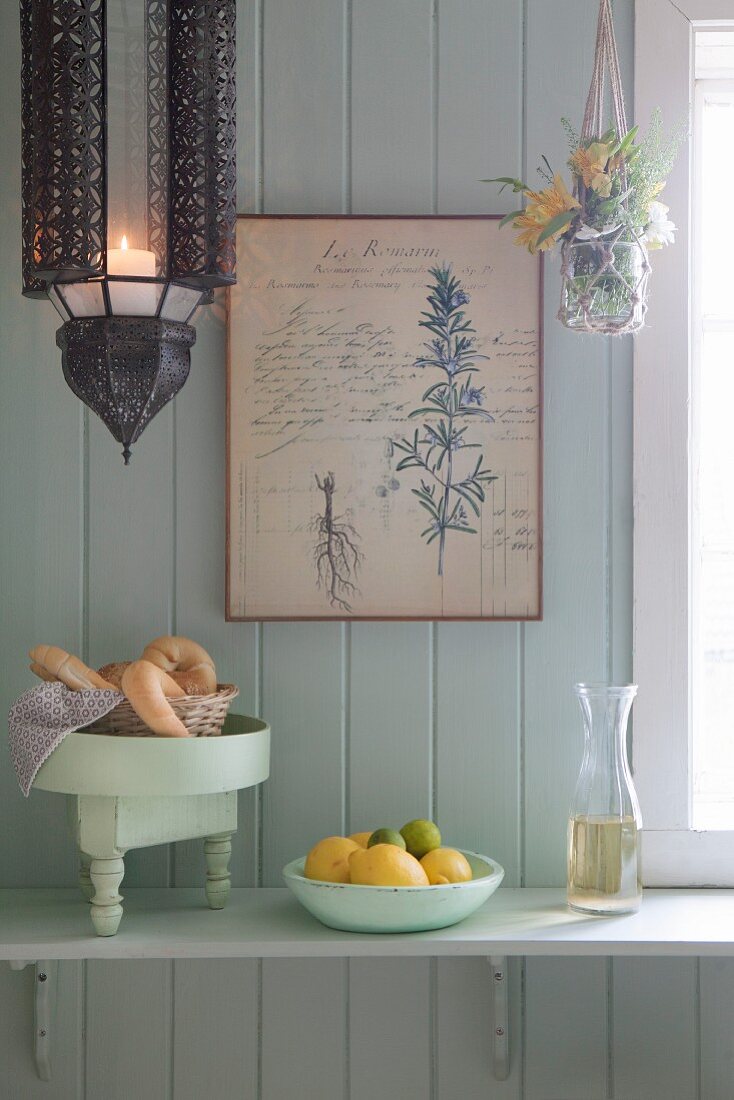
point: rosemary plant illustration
(448, 485)
(336, 553)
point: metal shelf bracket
(501, 1052)
(44, 1010)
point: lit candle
(130, 261)
(132, 299)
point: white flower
(660, 229)
(587, 233)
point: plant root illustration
(336, 553)
(445, 490)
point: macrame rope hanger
(606, 67)
(606, 64)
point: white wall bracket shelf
(501, 1038)
(44, 1010)
(269, 923)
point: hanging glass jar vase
(604, 283)
(604, 269)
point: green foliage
(651, 165)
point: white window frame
(673, 853)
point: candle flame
(123, 242)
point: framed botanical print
(384, 420)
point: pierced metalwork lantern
(128, 188)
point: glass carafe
(604, 874)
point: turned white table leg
(85, 882)
(217, 850)
(106, 876)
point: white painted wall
(369, 106)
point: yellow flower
(602, 184)
(586, 163)
(542, 207)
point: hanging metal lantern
(128, 188)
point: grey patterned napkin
(40, 719)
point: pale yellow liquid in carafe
(604, 874)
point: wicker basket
(203, 715)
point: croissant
(170, 668)
(54, 664)
(148, 689)
(185, 661)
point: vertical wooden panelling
(570, 644)
(390, 774)
(128, 1029)
(390, 1050)
(200, 556)
(40, 503)
(19, 1078)
(477, 719)
(566, 1030)
(479, 132)
(654, 1030)
(303, 161)
(386, 108)
(717, 1033)
(390, 725)
(393, 70)
(619, 437)
(303, 107)
(304, 1050)
(302, 800)
(304, 154)
(131, 535)
(479, 103)
(249, 106)
(199, 434)
(215, 1011)
(478, 752)
(130, 567)
(392, 107)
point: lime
(386, 836)
(421, 836)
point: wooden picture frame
(384, 420)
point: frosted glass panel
(134, 299)
(83, 299)
(180, 302)
(53, 295)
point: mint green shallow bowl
(394, 908)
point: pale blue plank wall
(375, 106)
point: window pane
(713, 460)
(716, 151)
(713, 747)
(714, 54)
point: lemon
(444, 865)
(386, 836)
(421, 836)
(329, 859)
(360, 838)
(385, 865)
